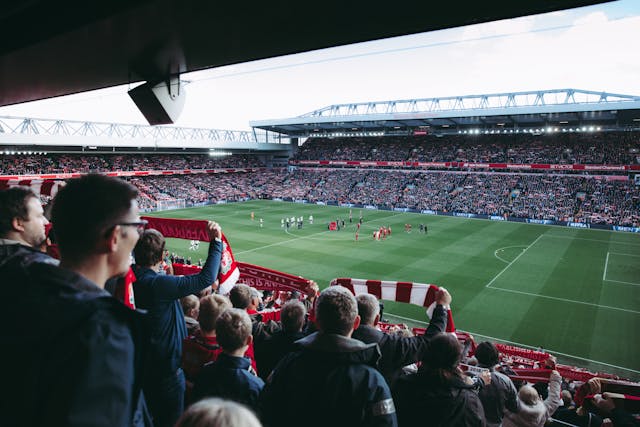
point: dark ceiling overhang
(58, 48)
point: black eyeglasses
(139, 225)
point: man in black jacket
(398, 352)
(75, 360)
(22, 226)
(500, 394)
(333, 370)
(292, 317)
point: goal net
(164, 205)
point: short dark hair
(13, 204)
(148, 251)
(444, 353)
(85, 208)
(487, 354)
(292, 316)
(336, 310)
(240, 296)
(232, 329)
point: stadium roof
(53, 48)
(535, 110)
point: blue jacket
(231, 378)
(335, 376)
(75, 356)
(160, 296)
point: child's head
(233, 329)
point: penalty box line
(545, 296)
(606, 265)
(488, 285)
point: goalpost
(164, 205)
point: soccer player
(261, 222)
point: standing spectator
(190, 307)
(533, 411)
(231, 375)
(439, 392)
(203, 347)
(398, 352)
(22, 225)
(500, 393)
(333, 369)
(160, 295)
(292, 316)
(247, 298)
(89, 371)
(215, 412)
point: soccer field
(574, 292)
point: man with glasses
(160, 295)
(76, 358)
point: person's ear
(249, 340)
(376, 319)
(113, 239)
(356, 322)
(17, 223)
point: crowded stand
(609, 148)
(569, 198)
(31, 164)
(257, 346)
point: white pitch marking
(514, 260)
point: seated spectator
(397, 352)
(440, 392)
(533, 411)
(217, 413)
(292, 317)
(190, 307)
(231, 375)
(500, 393)
(160, 295)
(333, 369)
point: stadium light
(591, 129)
(598, 128)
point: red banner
(508, 166)
(189, 229)
(258, 277)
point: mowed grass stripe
(457, 253)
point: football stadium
(506, 220)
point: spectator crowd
(196, 357)
(560, 148)
(576, 198)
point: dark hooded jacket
(397, 351)
(76, 358)
(330, 381)
(424, 399)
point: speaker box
(160, 103)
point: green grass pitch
(574, 292)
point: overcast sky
(593, 48)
